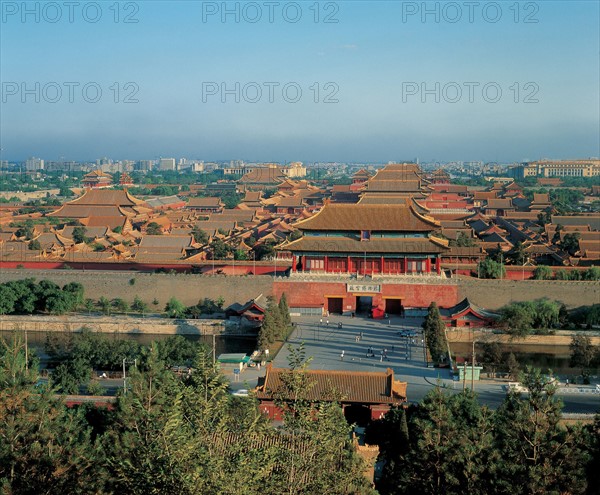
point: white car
(242, 392)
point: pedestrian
(258, 365)
(342, 356)
(360, 336)
(321, 321)
(339, 324)
(327, 322)
(356, 339)
(390, 322)
(381, 357)
(392, 347)
(567, 382)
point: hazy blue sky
(375, 56)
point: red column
(428, 265)
(348, 264)
(382, 267)
(302, 262)
(439, 265)
(294, 263)
(326, 263)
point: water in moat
(545, 357)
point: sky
(346, 81)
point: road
(325, 343)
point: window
(365, 235)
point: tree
(592, 273)
(60, 303)
(44, 447)
(240, 255)
(582, 352)
(138, 305)
(284, 311)
(434, 331)
(492, 355)
(488, 268)
(542, 272)
(200, 236)
(104, 305)
(77, 293)
(175, 308)
(220, 250)
(570, 243)
(120, 305)
(34, 245)
(89, 305)
(272, 325)
(80, 235)
(517, 254)
(534, 448)
(512, 364)
(153, 229)
(7, 300)
(518, 318)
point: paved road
(405, 356)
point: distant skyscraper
(33, 164)
(167, 164)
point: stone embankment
(120, 324)
(561, 338)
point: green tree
(175, 308)
(220, 250)
(542, 272)
(34, 245)
(44, 447)
(89, 305)
(582, 352)
(77, 293)
(518, 318)
(488, 268)
(514, 369)
(80, 235)
(592, 273)
(138, 305)
(570, 243)
(272, 325)
(7, 300)
(104, 304)
(492, 355)
(200, 236)
(153, 229)
(434, 331)
(533, 445)
(284, 311)
(120, 305)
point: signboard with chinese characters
(363, 288)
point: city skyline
(377, 81)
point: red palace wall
(305, 294)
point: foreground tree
(538, 455)
(44, 447)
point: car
(242, 392)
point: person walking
(342, 356)
(328, 322)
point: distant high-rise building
(557, 168)
(33, 164)
(144, 165)
(167, 164)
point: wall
(187, 288)
(493, 294)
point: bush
(542, 272)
